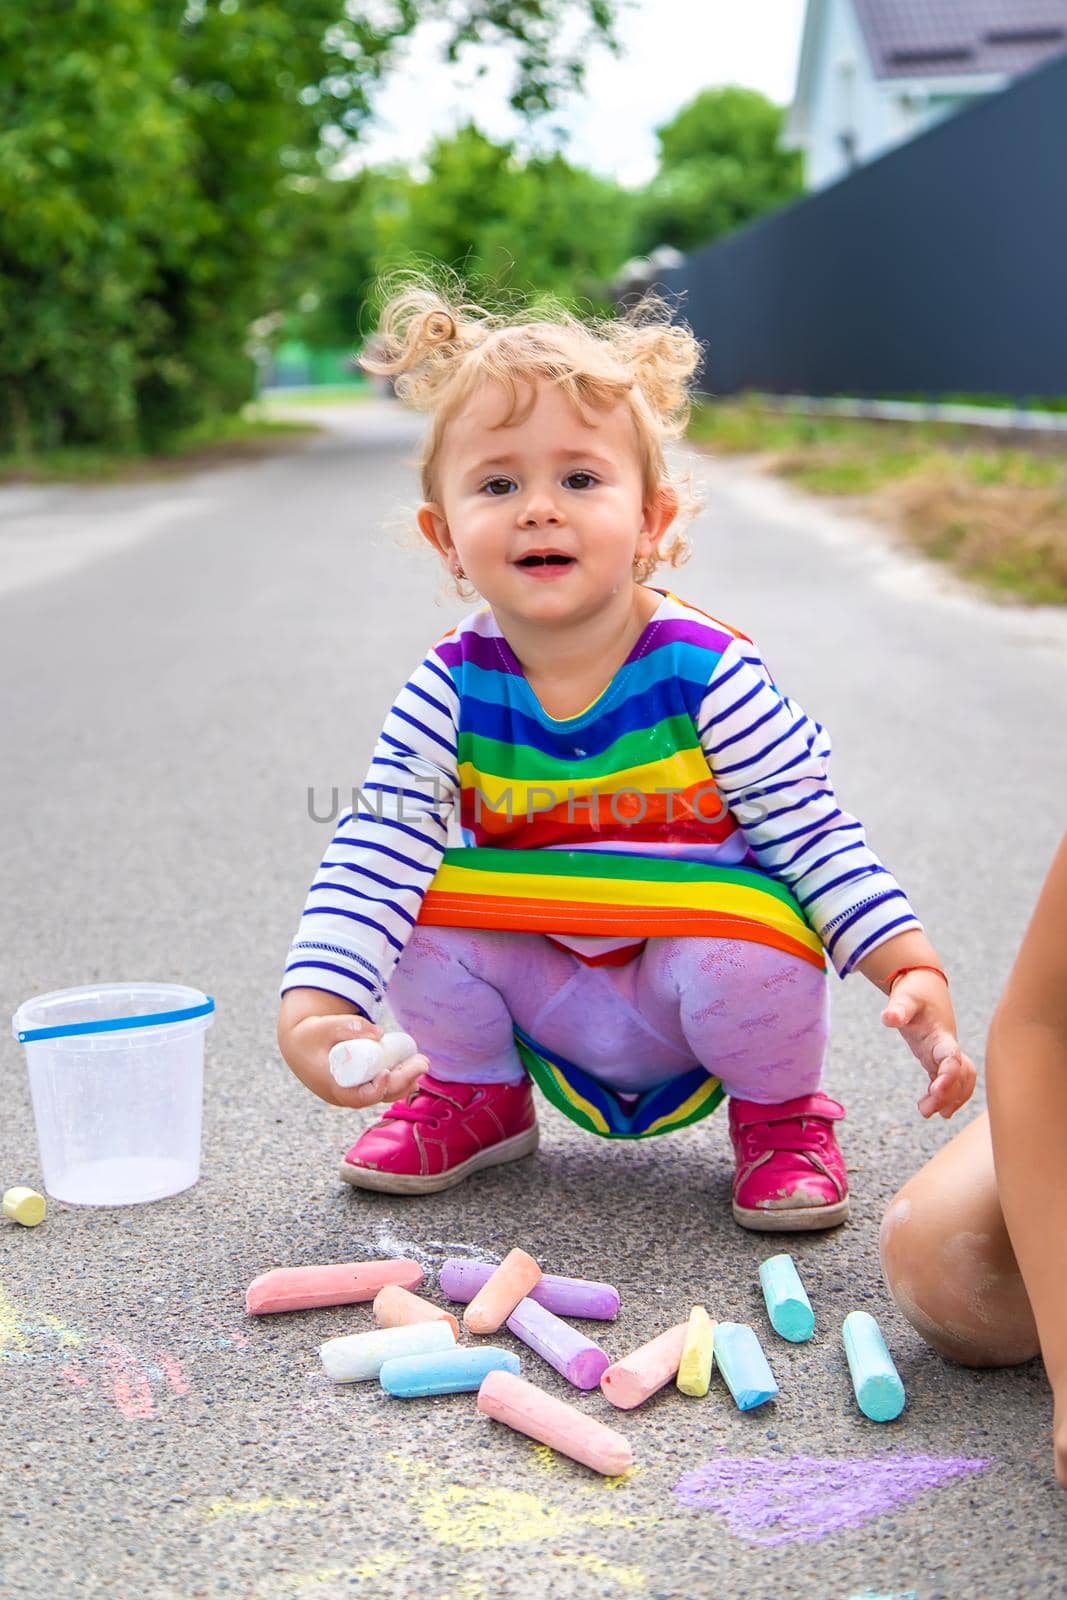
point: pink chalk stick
(638, 1375)
(395, 1307)
(580, 1360)
(300, 1288)
(567, 1297)
(501, 1293)
(538, 1415)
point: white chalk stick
(356, 1061)
(357, 1356)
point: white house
(876, 72)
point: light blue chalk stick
(879, 1391)
(452, 1371)
(787, 1303)
(744, 1366)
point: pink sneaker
(441, 1134)
(790, 1173)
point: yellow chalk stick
(694, 1369)
(25, 1206)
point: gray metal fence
(939, 268)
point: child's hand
(920, 1007)
(307, 1051)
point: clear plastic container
(116, 1077)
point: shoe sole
(513, 1149)
(802, 1219)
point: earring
(457, 571)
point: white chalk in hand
(356, 1061)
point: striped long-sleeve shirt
(698, 792)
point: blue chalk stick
(879, 1391)
(743, 1364)
(452, 1371)
(788, 1305)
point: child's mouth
(546, 567)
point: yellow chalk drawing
(67, 1336)
(16, 1326)
(618, 1482)
(469, 1589)
(410, 1467)
(625, 1577)
(293, 1582)
(492, 1519)
(603, 1518)
(11, 1334)
(550, 1460)
(486, 1519)
(371, 1566)
(252, 1508)
(483, 1519)
(378, 1566)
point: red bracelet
(920, 967)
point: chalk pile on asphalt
(414, 1351)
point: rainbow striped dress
(568, 823)
(691, 798)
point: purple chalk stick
(567, 1297)
(580, 1360)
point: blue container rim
(154, 1019)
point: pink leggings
(756, 1018)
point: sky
(671, 49)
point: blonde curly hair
(437, 347)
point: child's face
(551, 483)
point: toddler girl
(654, 863)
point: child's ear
(658, 514)
(433, 526)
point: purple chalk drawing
(772, 1501)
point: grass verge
(245, 437)
(320, 394)
(994, 512)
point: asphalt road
(183, 660)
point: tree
(338, 236)
(721, 164)
(151, 164)
(93, 174)
(537, 224)
(567, 231)
(510, 226)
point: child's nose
(540, 509)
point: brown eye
(588, 478)
(498, 487)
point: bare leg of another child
(948, 1261)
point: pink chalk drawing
(172, 1372)
(774, 1501)
(128, 1378)
(223, 1335)
(130, 1385)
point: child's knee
(961, 1291)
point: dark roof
(931, 38)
